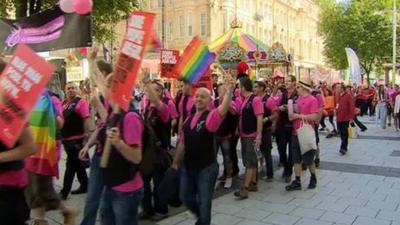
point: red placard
(21, 84)
(138, 34)
(168, 60)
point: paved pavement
(360, 188)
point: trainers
(158, 217)
(69, 216)
(330, 135)
(269, 179)
(228, 183)
(253, 187)
(243, 193)
(294, 186)
(317, 161)
(342, 151)
(312, 184)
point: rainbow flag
(252, 75)
(43, 126)
(194, 62)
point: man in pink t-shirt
(250, 129)
(305, 110)
(123, 190)
(196, 150)
(74, 136)
(269, 117)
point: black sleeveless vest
(10, 166)
(119, 169)
(199, 144)
(267, 112)
(249, 120)
(161, 129)
(229, 124)
(184, 111)
(73, 122)
(284, 116)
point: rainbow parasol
(236, 36)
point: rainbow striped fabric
(194, 62)
(252, 75)
(43, 126)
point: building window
(170, 29)
(203, 24)
(181, 26)
(159, 3)
(190, 25)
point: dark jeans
(283, 139)
(371, 108)
(95, 189)
(13, 208)
(266, 147)
(234, 157)
(359, 124)
(225, 146)
(197, 189)
(344, 133)
(120, 208)
(151, 192)
(74, 165)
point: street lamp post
(394, 41)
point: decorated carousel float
(236, 46)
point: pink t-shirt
(320, 101)
(305, 105)
(82, 108)
(17, 178)
(133, 129)
(271, 104)
(213, 121)
(258, 110)
(163, 113)
(57, 106)
(172, 110)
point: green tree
(363, 25)
(105, 14)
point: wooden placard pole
(107, 147)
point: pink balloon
(67, 6)
(83, 6)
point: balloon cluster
(81, 7)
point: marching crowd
(144, 166)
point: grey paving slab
(360, 188)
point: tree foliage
(363, 25)
(105, 14)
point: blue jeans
(120, 208)
(197, 188)
(95, 189)
(382, 114)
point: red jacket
(345, 110)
